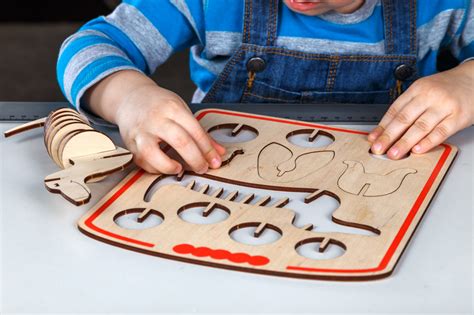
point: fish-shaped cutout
(277, 163)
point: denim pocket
(265, 93)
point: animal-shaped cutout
(277, 163)
(355, 180)
(231, 153)
(165, 219)
(84, 154)
(261, 213)
(237, 239)
(71, 182)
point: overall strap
(260, 22)
(400, 27)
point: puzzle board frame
(319, 270)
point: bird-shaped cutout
(278, 163)
(71, 182)
(355, 180)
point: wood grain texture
(85, 155)
(58, 135)
(24, 127)
(386, 197)
(71, 182)
(83, 143)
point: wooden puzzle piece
(315, 214)
(58, 126)
(273, 246)
(217, 200)
(61, 134)
(233, 133)
(87, 155)
(71, 182)
(135, 219)
(62, 112)
(277, 163)
(26, 126)
(85, 142)
(231, 153)
(256, 233)
(310, 138)
(355, 180)
(57, 117)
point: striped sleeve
(139, 35)
(462, 45)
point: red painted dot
(183, 248)
(220, 254)
(239, 257)
(258, 260)
(201, 252)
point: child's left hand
(432, 109)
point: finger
(143, 164)
(219, 148)
(422, 127)
(150, 157)
(201, 138)
(178, 138)
(375, 133)
(392, 111)
(398, 125)
(439, 134)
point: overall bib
(260, 72)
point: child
(289, 51)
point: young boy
(289, 51)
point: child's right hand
(151, 115)
(148, 115)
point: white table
(47, 265)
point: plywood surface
(386, 199)
(85, 155)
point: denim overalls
(260, 72)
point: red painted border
(90, 221)
(388, 255)
(406, 224)
(221, 254)
(279, 120)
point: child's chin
(310, 13)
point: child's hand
(430, 111)
(150, 115)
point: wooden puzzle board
(386, 198)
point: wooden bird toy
(84, 154)
(379, 202)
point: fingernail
(417, 148)
(393, 152)
(215, 162)
(377, 147)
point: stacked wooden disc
(84, 154)
(67, 134)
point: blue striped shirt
(142, 34)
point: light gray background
(47, 265)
